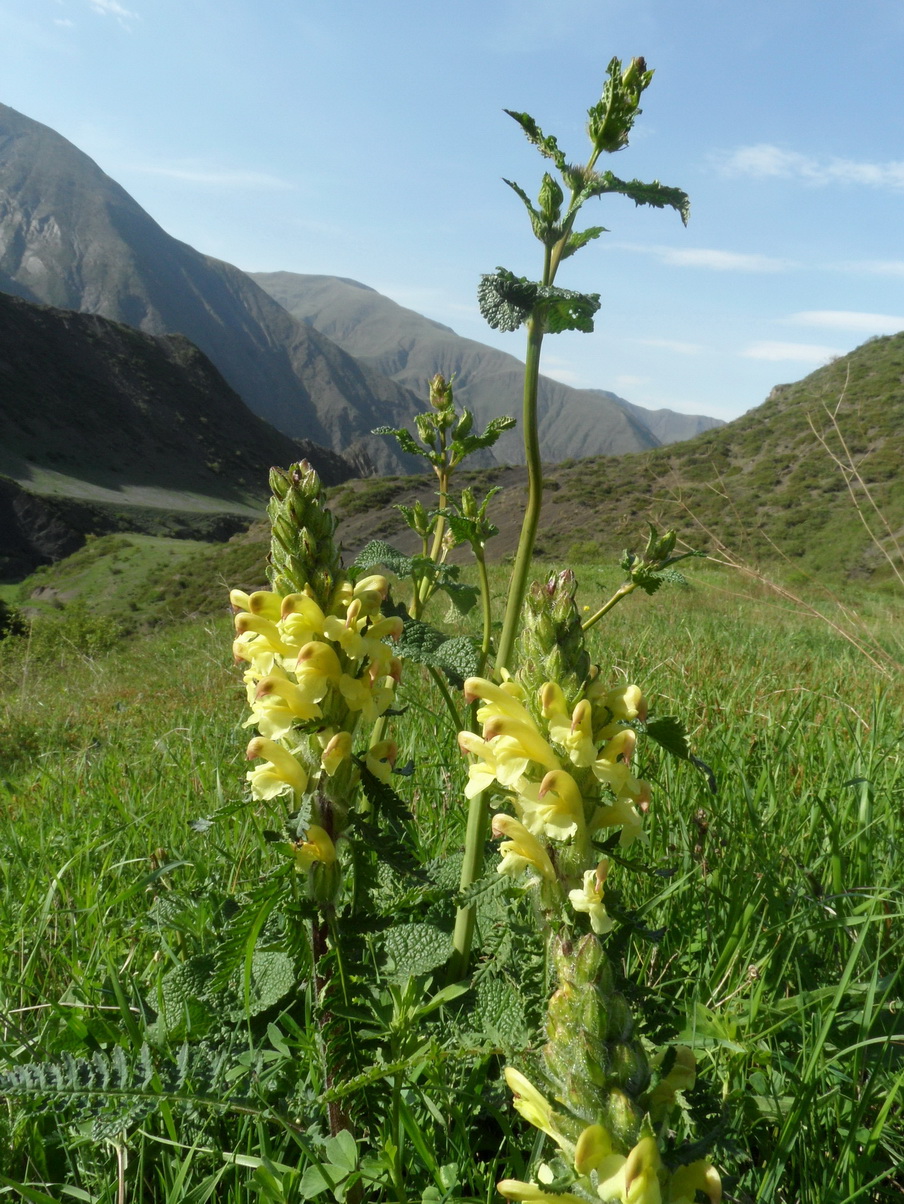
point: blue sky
(368, 140)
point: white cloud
(843, 319)
(676, 345)
(110, 8)
(874, 267)
(712, 259)
(806, 353)
(765, 161)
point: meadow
(761, 924)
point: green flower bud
(551, 197)
(302, 549)
(552, 642)
(440, 392)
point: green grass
(776, 901)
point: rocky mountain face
(73, 238)
(106, 428)
(410, 348)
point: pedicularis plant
(550, 737)
(329, 995)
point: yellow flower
(530, 1193)
(555, 808)
(497, 700)
(316, 669)
(262, 602)
(573, 732)
(518, 744)
(681, 1077)
(521, 849)
(280, 774)
(686, 1181)
(589, 899)
(621, 812)
(593, 1150)
(336, 750)
(529, 1102)
(637, 1179)
(317, 847)
(380, 759)
(482, 772)
(278, 703)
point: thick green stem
(471, 869)
(521, 570)
(485, 607)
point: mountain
(410, 348)
(73, 238)
(106, 428)
(764, 486)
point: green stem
(471, 869)
(521, 570)
(621, 592)
(447, 697)
(485, 607)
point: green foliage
(507, 301)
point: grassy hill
(764, 485)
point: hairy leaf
(545, 143)
(416, 949)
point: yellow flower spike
(317, 847)
(620, 813)
(337, 750)
(280, 774)
(521, 849)
(319, 659)
(380, 759)
(686, 1181)
(589, 899)
(593, 1148)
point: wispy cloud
(766, 161)
(215, 177)
(675, 345)
(110, 8)
(711, 258)
(873, 267)
(845, 319)
(803, 353)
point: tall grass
(761, 923)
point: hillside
(409, 348)
(763, 484)
(73, 238)
(105, 428)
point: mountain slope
(410, 348)
(73, 238)
(106, 428)
(763, 484)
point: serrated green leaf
(580, 238)
(545, 143)
(567, 310)
(505, 301)
(272, 978)
(458, 657)
(404, 437)
(500, 1013)
(414, 949)
(657, 195)
(669, 733)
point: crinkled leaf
(471, 443)
(377, 553)
(540, 226)
(506, 301)
(499, 1013)
(659, 196)
(458, 657)
(470, 530)
(463, 596)
(272, 978)
(414, 949)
